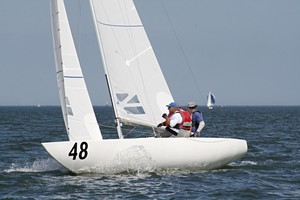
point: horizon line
(105, 105)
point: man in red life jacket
(186, 123)
(175, 123)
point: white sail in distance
(211, 100)
(138, 88)
(78, 113)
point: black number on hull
(73, 151)
(83, 151)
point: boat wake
(41, 165)
(134, 160)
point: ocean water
(270, 169)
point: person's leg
(184, 133)
(162, 132)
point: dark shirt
(196, 119)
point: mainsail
(78, 113)
(137, 86)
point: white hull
(146, 154)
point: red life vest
(186, 123)
(169, 115)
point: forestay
(78, 113)
(138, 88)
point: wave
(242, 163)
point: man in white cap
(197, 119)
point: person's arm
(200, 127)
(201, 124)
(176, 119)
(166, 122)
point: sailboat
(139, 94)
(211, 100)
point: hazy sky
(247, 52)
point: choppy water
(270, 170)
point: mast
(117, 119)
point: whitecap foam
(247, 163)
(243, 163)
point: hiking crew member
(175, 123)
(186, 123)
(197, 119)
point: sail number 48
(82, 151)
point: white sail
(78, 113)
(138, 89)
(211, 100)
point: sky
(247, 52)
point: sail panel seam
(120, 25)
(73, 76)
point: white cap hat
(192, 104)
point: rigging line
(133, 45)
(129, 29)
(112, 29)
(213, 119)
(120, 53)
(130, 131)
(186, 60)
(110, 88)
(79, 22)
(126, 20)
(182, 50)
(126, 129)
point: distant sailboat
(139, 93)
(211, 100)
